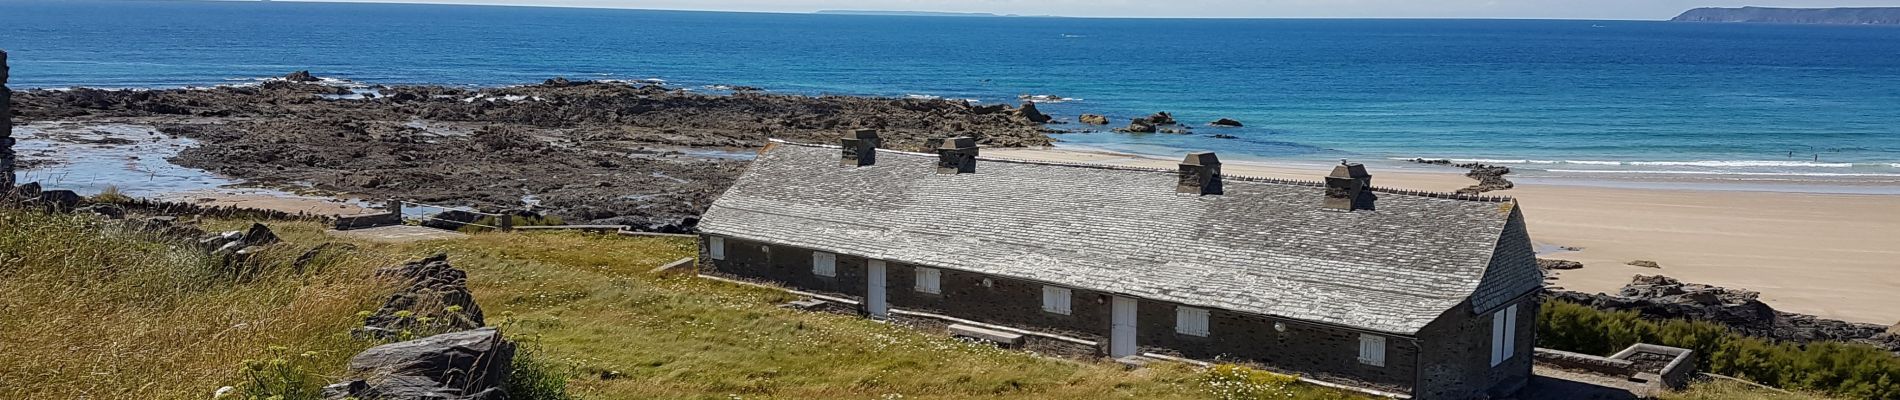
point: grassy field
(93, 311)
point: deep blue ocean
(1583, 99)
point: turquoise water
(1579, 100)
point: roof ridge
(1243, 178)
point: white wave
(1589, 162)
(922, 96)
(1895, 165)
(1809, 164)
(1651, 172)
(1046, 98)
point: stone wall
(6, 128)
(1456, 362)
(1321, 351)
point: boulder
(1645, 264)
(465, 365)
(300, 76)
(435, 298)
(1093, 119)
(1225, 122)
(1546, 264)
(1175, 131)
(59, 200)
(1161, 118)
(1029, 113)
(1139, 125)
(1225, 136)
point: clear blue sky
(1571, 9)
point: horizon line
(921, 13)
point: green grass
(88, 310)
(95, 311)
(1726, 390)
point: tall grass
(89, 309)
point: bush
(284, 376)
(533, 378)
(1841, 369)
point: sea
(1626, 103)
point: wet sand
(1831, 255)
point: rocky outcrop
(1028, 112)
(301, 76)
(1837, 16)
(1644, 264)
(1226, 123)
(1139, 125)
(1093, 119)
(1224, 136)
(1490, 177)
(434, 298)
(1558, 265)
(1161, 118)
(465, 365)
(1661, 297)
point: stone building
(1426, 294)
(6, 130)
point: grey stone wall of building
(1456, 359)
(1320, 351)
(6, 127)
(1512, 270)
(1316, 350)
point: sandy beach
(1830, 255)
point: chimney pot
(957, 155)
(1199, 174)
(1348, 188)
(860, 148)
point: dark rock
(60, 200)
(1645, 264)
(1490, 178)
(1093, 119)
(1174, 131)
(435, 298)
(1161, 118)
(1225, 122)
(1225, 136)
(1139, 125)
(1660, 297)
(1548, 265)
(1029, 113)
(29, 190)
(465, 365)
(557, 82)
(301, 76)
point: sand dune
(1836, 256)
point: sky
(1562, 9)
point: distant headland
(1833, 16)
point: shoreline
(1809, 253)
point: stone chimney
(1200, 174)
(1348, 188)
(860, 148)
(957, 155)
(6, 129)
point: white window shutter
(1510, 333)
(929, 280)
(1056, 300)
(1190, 321)
(1497, 338)
(1372, 349)
(824, 264)
(717, 246)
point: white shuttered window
(929, 280)
(824, 264)
(1056, 300)
(717, 246)
(1372, 349)
(1190, 321)
(1503, 335)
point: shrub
(111, 194)
(1841, 369)
(284, 376)
(533, 378)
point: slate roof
(1262, 247)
